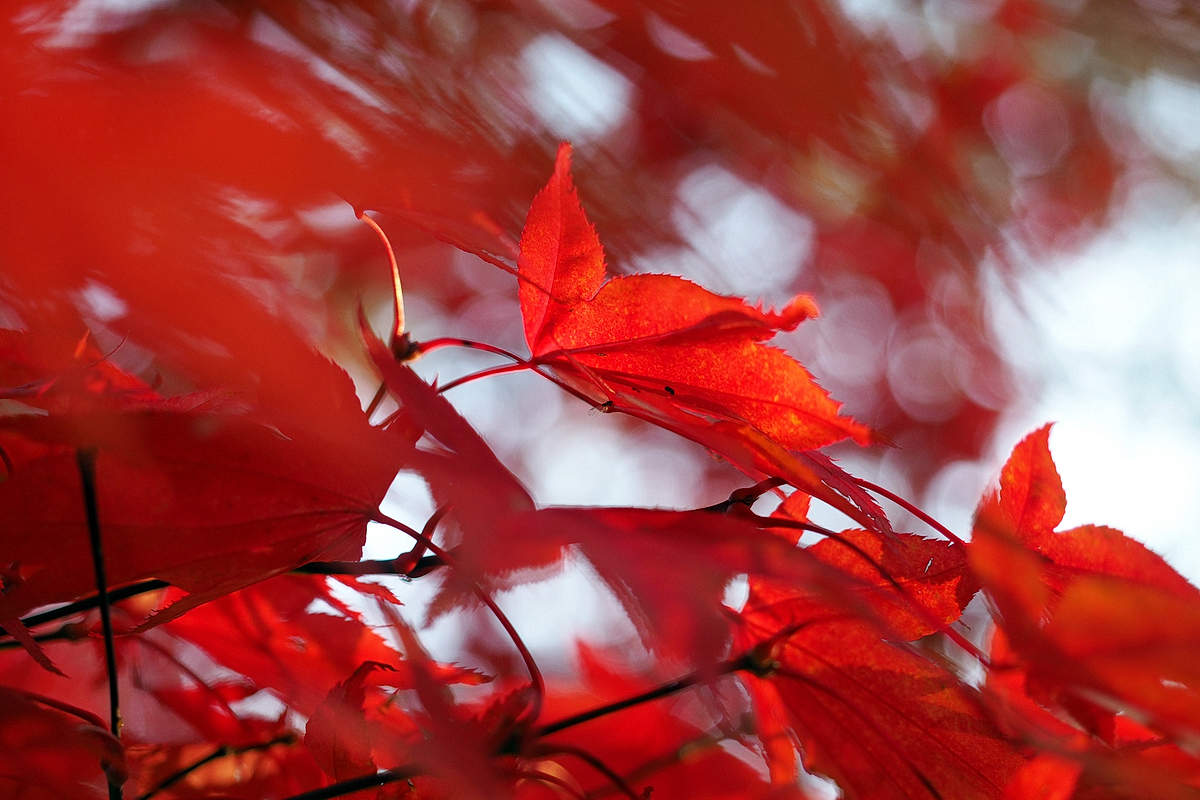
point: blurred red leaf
(877, 717)
(183, 484)
(1094, 626)
(46, 752)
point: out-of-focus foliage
(875, 154)
(187, 307)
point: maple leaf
(671, 748)
(273, 635)
(1091, 624)
(50, 750)
(669, 351)
(880, 719)
(912, 585)
(183, 485)
(637, 552)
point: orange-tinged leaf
(1031, 493)
(1045, 777)
(1095, 549)
(1098, 635)
(1135, 644)
(281, 770)
(561, 261)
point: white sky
(1115, 336)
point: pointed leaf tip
(801, 307)
(1031, 492)
(561, 261)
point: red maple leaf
(195, 490)
(1096, 631)
(881, 719)
(669, 351)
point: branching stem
(665, 690)
(484, 373)
(421, 348)
(535, 674)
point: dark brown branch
(394, 566)
(608, 772)
(666, 690)
(88, 603)
(424, 566)
(221, 752)
(343, 788)
(86, 459)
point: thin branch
(598, 765)
(423, 566)
(553, 780)
(665, 690)
(88, 603)
(71, 631)
(395, 566)
(421, 348)
(221, 752)
(343, 788)
(531, 666)
(746, 497)
(380, 393)
(86, 460)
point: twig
(423, 566)
(535, 674)
(665, 690)
(421, 348)
(484, 373)
(221, 752)
(343, 788)
(88, 603)
(86, 459)
(598, 765)
(399, 339)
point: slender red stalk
(535, 674)
(907, 506)
(485, 373)
(421, 348)
(398, 331)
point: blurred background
(993, 202)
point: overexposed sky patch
(1115, 339)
